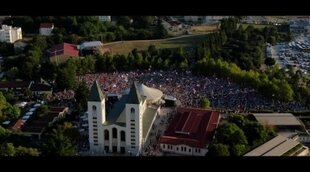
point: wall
(183, 150)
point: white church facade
(121, 127)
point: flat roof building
(190, 132)
(280, 146)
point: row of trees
(240, 45)
(8, 149)
(239, 135)
(76, 29)
(270, 87)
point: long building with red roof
(190, 132)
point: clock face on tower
(94, 110)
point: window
(94, 125)
(95, 129)
(94, 108)
(95, 137)
(95, 144)
(95, 133)
(164, 146)
(94, 118)
(132, 114)
(96, 141)
(132, 120)
(106, 135)
(132, 110)
(185, 149)
(190, 150)
(133, 140)
(95, 122)
(123, 136)
(182, 148)
(133, 132)
(177, 149)
(133, 144)
(133, 128)
(122, 150)
(132, 124)
(106, 148)
(114, 133)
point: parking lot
(295, 53)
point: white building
(124, 126)
(10, 34)
(46, 29)
(105, 18)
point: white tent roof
(152, 94)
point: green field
(124, 47)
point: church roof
(134, 97)
(96, 93)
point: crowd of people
(190, 89)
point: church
(122, 126)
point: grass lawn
(204, 28)
(124, 47)
(257, 26)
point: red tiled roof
(14, 84)
(64, 49)
(191, 126)
(46, 25)
(57, 109)
(18, 125)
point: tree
(7, 150)
(23, 151)
(26, 70)
(142, 22)
(58, 144)
(238, 149)
(124, 21)
(81, 95)
(12, 112)
(230, 134)
(66, 77)
(205, 103)
(3, 104)
(41, 111)
(270, 61)
(218, 150)
(12, 73)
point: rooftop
(277, 146)
(277, 119)
(40, 87)
(15, 84)
(46, 25)
(96, 93)
(64, 49)
(147, 118)
(91, 44)
(134, 97)
(192, 126)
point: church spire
(96, 93)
